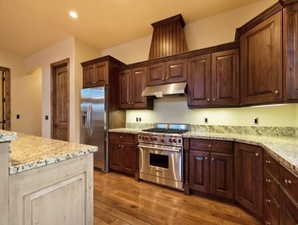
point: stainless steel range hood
(166, 89)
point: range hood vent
(163, 90)
(168, 37)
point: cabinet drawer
(223, 147)
(271, 165)
(271, 211)
(122, 138)
(289, 183)
(200, 145)
(271, 186)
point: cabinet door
(115, 156)
(199, 174)
(100, 74)
(176, 71)
(261, 62)
(291, 52)
(156, 74)
(88, 72)
(199, 81)
(139, 84)
(249, 178)
(288, 211)
(222, 176)
(125, 92)
(225, 78)
(129, 159)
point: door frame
(7, 96)
(53, 68)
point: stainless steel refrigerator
(94, 123)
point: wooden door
(156, 74)
(60, 101)
(261, 62)
(291, 52)
(5, 119)
(199, 174)
(176, 71)
(129, 159)
(139, 76)
(225, 78)
(115, 156)
(99, 76)
(199, 81)
(88, 74)
(249, 178)
(222, 176)
(125, 92)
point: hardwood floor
(120, 200)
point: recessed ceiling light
(73, 14)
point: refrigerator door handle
(89, 119)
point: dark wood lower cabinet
(123, 153)
(249, 178)
(200, 171)
(222, 175)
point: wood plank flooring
(120, 200)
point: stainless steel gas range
(161, 154)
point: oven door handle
(159, 149)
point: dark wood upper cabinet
(291, 52)
(132, 83)
(88, 72)
(156, 74)
(261, 62)
(199, 173)
(249, 178)
(176, 71)
(95, 74)
(125, 89)
(225, 78)
(222, 175)
(199, 81)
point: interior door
(60, 102)
(5, 98)
(199, 81)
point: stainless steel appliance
(93, 123)
(161, 154)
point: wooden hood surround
(168, 37)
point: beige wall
(203, 33)
(25, 95)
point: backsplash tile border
(221, 129)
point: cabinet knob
(289, 182)
(212, 159)
(209, 146)
(206, 158)
(268, 161)
(268, 180)
(267, 223)
(214, 99)
(257, 154)
(268, 201)
(276, 92)
(208, 99)
(286, 181)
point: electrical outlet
(206, 120)
(137, 119)
(46, 117)
(18, 116)
(256, 121)
(140, 119)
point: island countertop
(30, 152)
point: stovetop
(165, 131)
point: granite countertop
(6, 136)
(283, 149)
(30, 152)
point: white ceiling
(27, 26)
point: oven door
(161, 161)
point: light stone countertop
(283, 149)
(6, 136)
(30, 152)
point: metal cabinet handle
(199, 158)
(257, 154)
(268, 161)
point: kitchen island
(45, 181)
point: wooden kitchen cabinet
(211, 167)
(123, 153)
(249, 178)
(132, 83)
(213, 79)
(261, 62)
(95, 74)
(156, 74)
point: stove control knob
(174, 140)
(162, 140)
(179, 141)
(170, 140)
